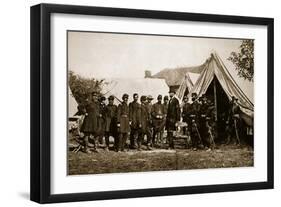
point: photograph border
(40, 59)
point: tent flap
(215, 67)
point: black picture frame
(41, 99)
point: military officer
(234, 120)
(111, 122)
(194, 120)
(144, 124)
(203, 122)
(149, 108)
(123, 122)
(173, 116)
(157, 113)
(101, 120)
(134, 116)
(90, 123)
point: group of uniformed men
(135, 120)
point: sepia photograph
(150, 102)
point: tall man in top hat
(173, 116)
(123, 122)
(134, 116)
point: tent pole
(215, 100)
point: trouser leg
(132, 138)
(170, 139)
(149, 136)
(93, 140)
(161, 137)
(153, 137)
(124, 139)
(119, 141)
(116, 142)
(106, 137)
(140, 140)
(86, 143)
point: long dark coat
(173, 114)
(90, 123)
(144, 117)
(134, 114)
(101, 120)
(123, 118)
(111, 118)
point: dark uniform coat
(149, 108)
(158, 115)
(186, 111)
(195, 109)
(134, 114)
(173, 114)
(144, 117)
(123, 118)
(90, 123)
(111, 118)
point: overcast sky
(108, 55)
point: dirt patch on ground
(158, 160)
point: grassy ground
(159, 159)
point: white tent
(193, 77)
(187, 84)
(142, 86)
(72, 104)
(216, 68)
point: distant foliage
(244, 60)
(81, 87)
